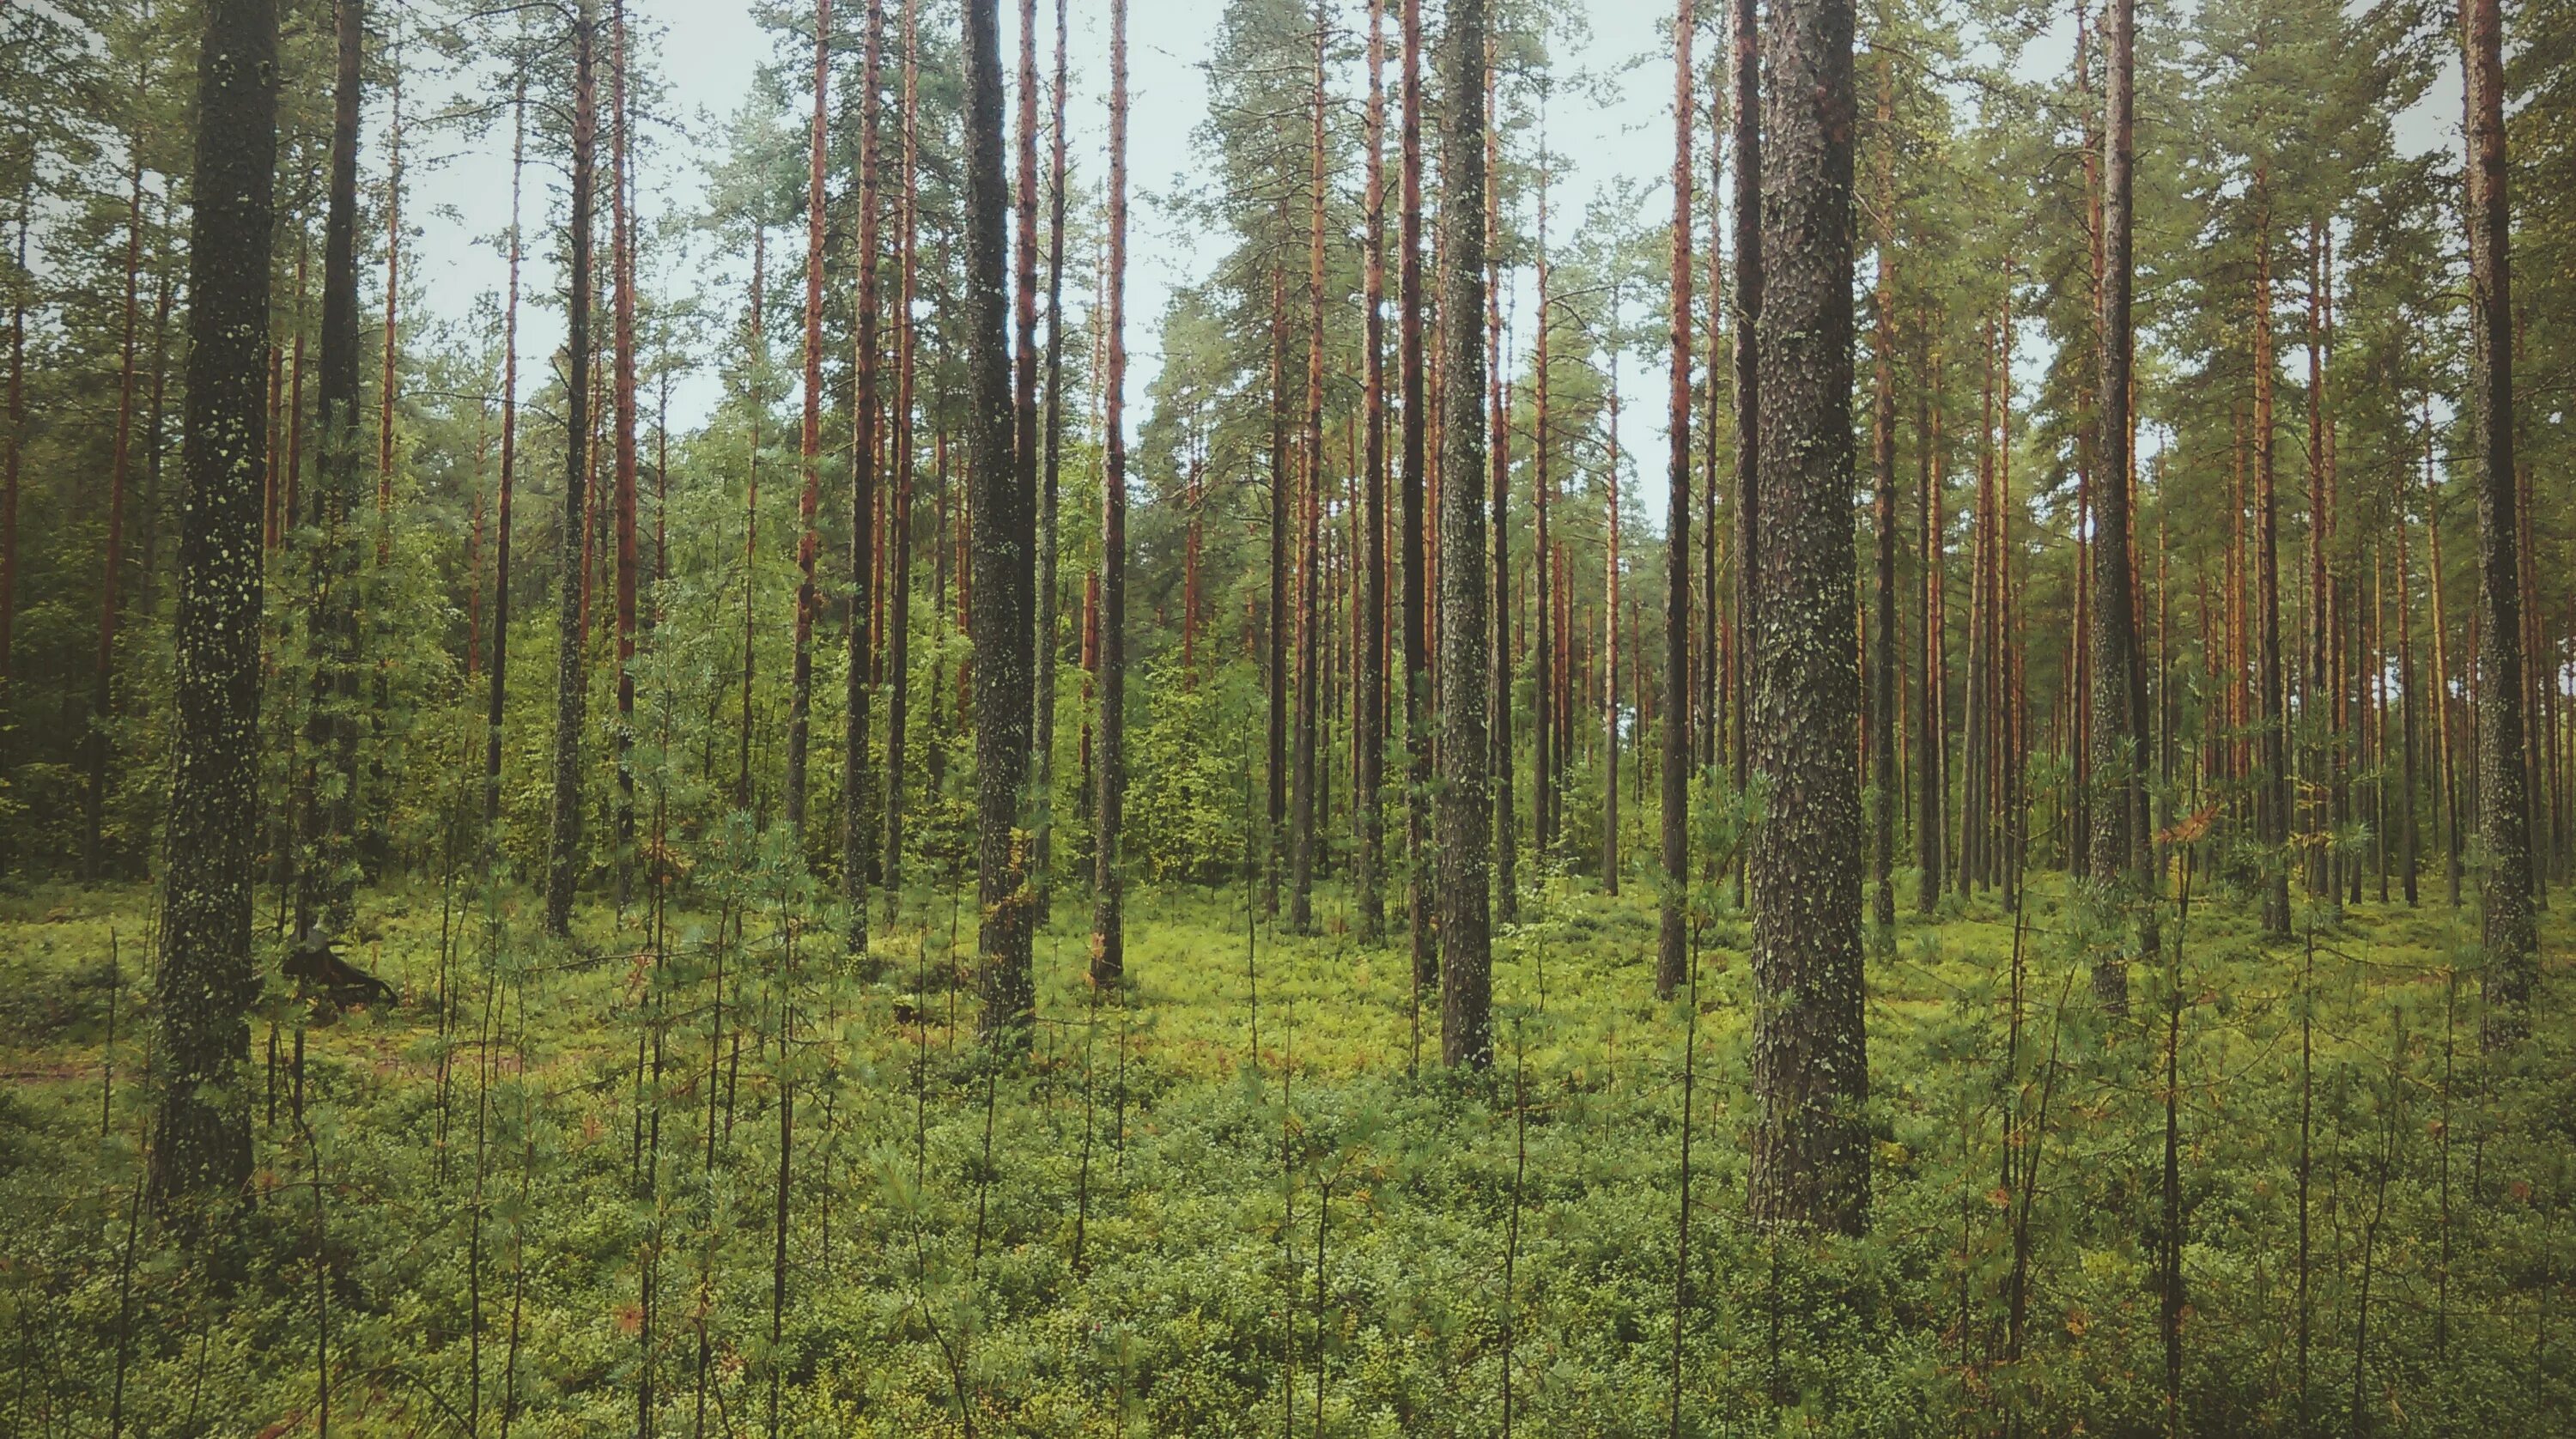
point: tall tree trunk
(572, 685)
(755, 376)
(2273, 808)
(9, 472)
(1047, 644)
(800, 681)
(1672, 944)
(1552, 717)
(1465, 798)
(1369, 723)
(1932, 706)
(1882, 662)
(499, 669)
(1108, 918)
(1417, 551)
(97, 740)
(326, 876)
(1810, 1162)
(1506, 824)
(1282, 506)
(1301, 820)
(2120, 853)
(899, 528)
(1748, 378)
(1004, 552)
(2504, 800)
(621, 265)
(1024, 367)
(1610, 623)
(201, 1148)
(858, 835)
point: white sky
(709, 51)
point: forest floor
(539, 1196)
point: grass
(621, 1227)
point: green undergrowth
(538, 1196)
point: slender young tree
(1003, 550)
(572, 684)
(498, 670)
(1931, 722)
(2504, 797)
(2119, 678)
(621, 269)
(1465, 795)
(858, 836)
(809, 540)
(97, 740)
(201, 1144)
(1748, 378)
(1810, 1161)
(1109, 773)
(1369, 722)
(1672, 950)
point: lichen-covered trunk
(204, 986)
(2504, 802)
(1465, 799)
(1810, 1161)
(1004, 550)
(2118, 841)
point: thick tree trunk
(1108, 916)
(1004, 548)
(1810, 1162)
(2504, 798)
(2118, 841)
(1672, 944)
(9, 471)
(201, 1150)
(1465, 796)
(564, 847)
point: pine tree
(2118, 841)
(564, 851)
(1108, 923)
(1003, 548)
(2504, 797)
(1672, 946)
(1810, 1161)
(1465, 801)
(201, 1143)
